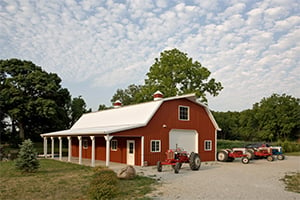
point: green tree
(103, 107)
(130, 95)
(78, 107)
(278, 117)
(174, 73)
(32, 98)
(229, 123)
(27, 158)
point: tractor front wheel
(222, 156)
(159, 166)
(177, 167)
(270, 158)
(195, 161)
(280, 157)
(245, 160)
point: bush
(104, 184)
(288, 146)
(27, 158)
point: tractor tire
(245, 160)
(222, 156)
(230, 159)
(177, 167)
(195, 161)
(159, 166)
(280, 157)
(173, 166)
(250, 154)
(270, 158)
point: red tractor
(228, 155)
(177, 157)
(260, 151)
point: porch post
(52, 147)
(80, 149)
(45, 147)
(107, 138)
(69, 148)
(93, 151)
(142, 151)
(60, 148)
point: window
(114, 145)
(155, 145)
(184, 112)
(85, 143)
(207, 145)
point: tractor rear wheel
(245, 160)
(195, 161)
(222, 156)
(250, 154)
(177, 167)
(280, 157)
(270, 158)
(159, 166)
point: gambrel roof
(122, 118)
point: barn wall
(168, 115)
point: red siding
(166, 115)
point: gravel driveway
(257, 180)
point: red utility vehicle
(260, 151)
(176, 157)
(228, 155)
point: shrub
(104, 184)
(289, 146)
(27, 157)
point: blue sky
(251, 47)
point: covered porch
(76, 151)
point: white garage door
(186, 139)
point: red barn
(141, 134)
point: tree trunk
(21, 131)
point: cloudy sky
(97, 46)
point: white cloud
(251, 47)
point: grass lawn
(292, 182)
(60, 180)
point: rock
(127, 172)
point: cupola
(117, 104)
(157, 95)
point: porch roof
(120, 119)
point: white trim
(216, 145)
(159, 146)
(52, 147)
(107, 138)
(80, 149)
(69, 148)
(60, 148)
(142, 149)
(128, 160)
(45, 147)
(116, 145)
(188, 113)
(93, 151)
(210, 145)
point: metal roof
(120, 119)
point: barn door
(186, 139)
(130, 152)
